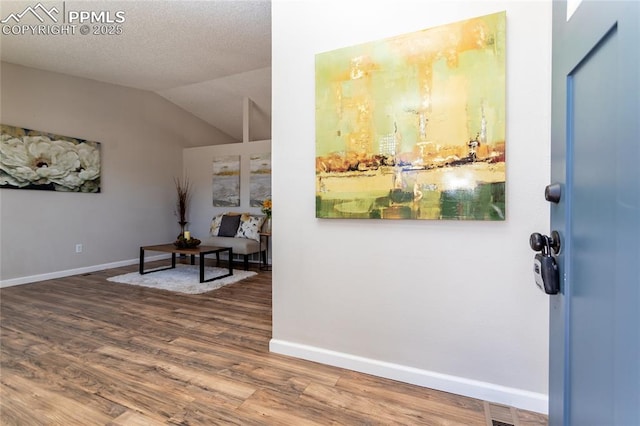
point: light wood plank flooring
(84, 351)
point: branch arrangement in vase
(183, 187)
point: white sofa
(246, 238)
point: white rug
(183, 279)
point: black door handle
(543, 243)
(545, 268)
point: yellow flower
(266, 207)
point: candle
(187, 235)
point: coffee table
(201, 251)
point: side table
(264, 265)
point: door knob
(542, 243)
(545, 268)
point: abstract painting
(31, 159)
(226, 181)
(259, 178)
(413, 127)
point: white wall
(198, 166)
(142, 137)
(444, 304)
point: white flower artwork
(36, 160)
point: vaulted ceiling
(204, 56)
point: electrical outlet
(78, 248)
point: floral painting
(413, 127)
(259, 179)
(31, 159)
(226, 181)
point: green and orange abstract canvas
(413, 126)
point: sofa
(241, 232)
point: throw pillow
(250, 226)
(229, 226)
(215, 225)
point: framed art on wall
(413, 127)
(259, 179)
(31, 159)
(226, 181)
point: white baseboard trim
(490, 392)
(59, 274)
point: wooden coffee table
(201, 251)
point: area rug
(183, 279)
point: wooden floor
(84, 351)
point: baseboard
(84, 270)
(490, 392)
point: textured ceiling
(204, 56)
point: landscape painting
(413, 127)
(31, 159)
(226, 181)
(259, 179)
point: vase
(182, 226)
(266, 228)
